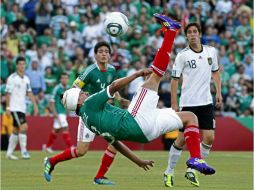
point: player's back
(109, 121)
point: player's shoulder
(12, 76)
(111, 67)
(183, 51)
(57, 87)
(89, 68)
(26, 78)
(209, 48)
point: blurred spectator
(74, 37)
(12, 41)
(24, 37)
(29, 12)
(6, 130)
(42, 21)
(223, 6)
(248, 66)
(244, 100)
(45, 38)
(224, 81)
(232, 103)
(36, 78)
(239, 74)
(57, 22)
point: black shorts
(19, 118)
(205, 116)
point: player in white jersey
(196, 64)
(17, 87)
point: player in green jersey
(60, 121)
(142, 122)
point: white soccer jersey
(196, 69)
(18, 87)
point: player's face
(82, 97)
(21, 66)
(102, 55)
(64, 80)
(193, 35)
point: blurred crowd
(58, 36)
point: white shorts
(60, 121)
(84, 134)
(153, 121)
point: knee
(112, 149)
(192, 118)
(23, 128)
(81, 150)
(208, 139)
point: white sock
(174, 155)
(13, 141)
(205, 149)
(22, 142)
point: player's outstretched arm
(122, 82)
(124, 150)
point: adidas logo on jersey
(98, 81)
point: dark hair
(100, 44)
(192, 24)
(20, 59)
(64, 74)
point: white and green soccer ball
(116, 24)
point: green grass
(234, 172)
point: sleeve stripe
(83, 76)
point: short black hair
(100, 44)
(20, 58)
(192, 24)
(64, 74)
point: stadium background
(58, 36)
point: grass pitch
(234, 171)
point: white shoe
(48, 150)
(11, 157)
(25, 155)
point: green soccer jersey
(93, 80)
(56, 97)
(112, 123)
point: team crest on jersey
(210, 61)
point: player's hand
(35, 111)
(125, 102)
(218, 100)
(175, 107)
(146, 164)
(145, 72)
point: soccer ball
(116, 24)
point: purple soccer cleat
(167, 22)
(200, 165)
